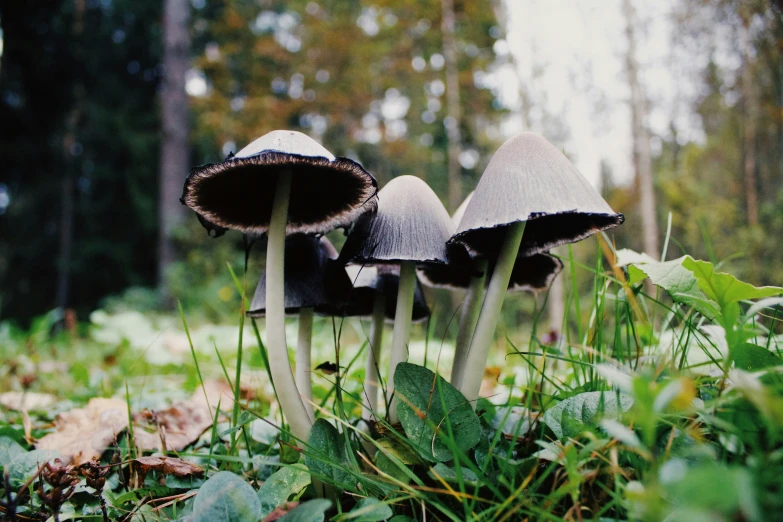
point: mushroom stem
(290, 401)
(467, 322)
(477, 356)
(372, 377)
(303, 349)
(403, 317)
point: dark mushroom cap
(457, 272)
(410, 224)
(528, 179)
(238, 193)
(530, 274)
(313, 279)
(534, 273)
(369, 280)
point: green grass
(641, 410)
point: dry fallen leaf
(166, 466)
(85, 433)
(176, 427)
(26, 401)
(180, 425)
(280, 511)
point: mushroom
(530, 199)
(410, 228)
(314, 283)
(375, 296)
(529, 274)
(282, 183)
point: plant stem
(403, 317)
(372, 377)
(303, 364)
(478, 354)
(467, 321)
(290, 401)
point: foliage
(629, 426)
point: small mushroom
(410, 228)
(375, 296)
(314, 283)
(529, 199)
(464, 272)
(282, 183)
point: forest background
(674, 110)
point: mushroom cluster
(288, 188)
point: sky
(571, 59)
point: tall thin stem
(402, 327)
(372, 377)
(303, 374)
(478, 354)
(467, 321)
(290, 401)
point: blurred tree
(368, 80)
(452, 120)
(710, 186)
(642, 157)
(91, 92)
(174, 157)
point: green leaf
(725, 288)
(420, 392)
(391, 468)
(328, 456)
(584, 411)
(24, 465)
(370, 510)
(9, 449)
(626, 256)
(228, 498)
(732, 496)
(449, 474)
(391, 447)
(679, 282)
(402, 518)
(751, 357)
(635, 275)
(310, 511)
(281, 485)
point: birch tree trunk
(174, 123)
(641, 140)
(453, 116)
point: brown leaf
(180, 425)
(169, 466)
(85, 433)
(280, 511)
(166, 466)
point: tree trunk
(174, 122)
(555, 304)
(750, 116)
(641, 141)
(66, 194)
(452, 104)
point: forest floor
(647, 407)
